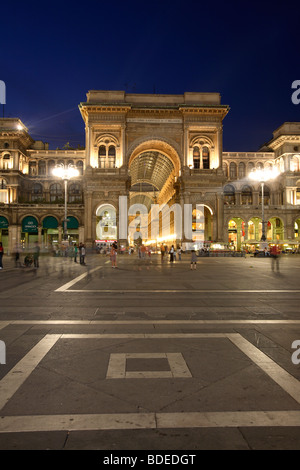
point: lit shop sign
(3, 222)
(30, 225)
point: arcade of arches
(246, 234)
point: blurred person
(172, 253)
(113, 255)
(1, 255)
(36, 255)
(275, 255)
(83, 253)
(75, 253)
(162, 252)
(193, 259)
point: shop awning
(29, 224)
(50, 222)
(72, 223)
(3, 222)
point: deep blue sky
(52, 53)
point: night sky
(53, 53)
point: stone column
(40, 235)
(88, 218)
(122, 220)
(59, 235)
(81, 234)
(88, 144)
(220, 218)
(13, 238)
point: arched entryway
(275, 230)
(154, 168)
(106, 225)
(4, 227)
(29, 231)
(50, 236)
(236, 233)
(202, 226)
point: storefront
(4, 232)
(50, 232)
(29, 233)
(73, 230)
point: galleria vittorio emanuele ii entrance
(155, 166)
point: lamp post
(65, 173)
(262, 176)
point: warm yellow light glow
(264, 175)
(65, 172)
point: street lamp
(65, 173)
(262, 176)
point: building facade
(144, 150)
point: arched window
(74, 193)
(232, 171)
(111, 156)
(246, 195)
(42, 168)
(107, 156)
(205, 158)
(260, 166)
(3, 184)
(37, 192)
(294, 164)
(102, 156)
(32, 168)
(251, 167)
(51, 166)
(242, 170)
(229, 194)
(56, 193)
(3, 191)
(79, 166)
(196, 157)
(6, 161)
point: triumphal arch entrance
(146, 154)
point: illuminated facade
(148, 149)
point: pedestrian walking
(172, 253)
(80, 252)
(162, 252)
(17, 257)
(113, 255)
(143, 251)
(193, 259)
(275, 255)
(1, 255)
(36, 255)
(83, 253)
(75, 253)
(179, 253)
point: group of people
(172, 252)
(31, 258)
(81, 251)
